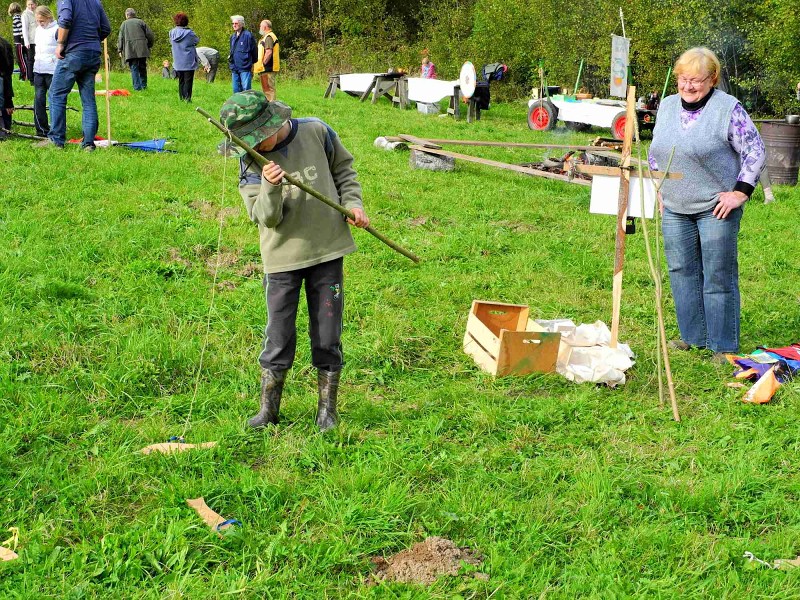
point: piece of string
(13, 541)
(753, 558)
(213, 290)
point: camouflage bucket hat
(253, 118)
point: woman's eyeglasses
(683, 81)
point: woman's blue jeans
(704, 276)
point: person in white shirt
(44, 65)
(28, 33)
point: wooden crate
(503, 341)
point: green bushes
(757, 41)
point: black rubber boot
(328, 385)
(271, 392)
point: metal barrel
(783, 151)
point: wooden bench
(352, 84)
(385, 84)
(333, 85)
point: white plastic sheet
(356, 82)
(585, 355)
(429, 90)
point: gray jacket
(184, 41)
(135, 39)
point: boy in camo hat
(302, 240)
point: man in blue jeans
(82, 26)
(243, 54)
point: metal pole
(666, 83)
(578, 79)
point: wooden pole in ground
(261, 161)
(659, 296)
(622, 209)
(108, 93)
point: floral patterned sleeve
(745, 139)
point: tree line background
(758, 42)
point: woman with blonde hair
(720, 154)
(44, 65)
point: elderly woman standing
(184, 55)
(720, 154)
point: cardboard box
(503, 341)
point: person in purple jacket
(82, 26)
(243, 54)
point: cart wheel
(618, 126)
(542, 116)
(575, 126)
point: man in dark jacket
(6, 89)
(243, 53)
(133, 45)
(82, 26)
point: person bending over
(303, 241)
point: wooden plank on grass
(442, 142)
(615, 172)
(418, 141)
(502, 165)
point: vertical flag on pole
(620, 49)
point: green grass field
(106, 279)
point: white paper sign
(620, 49)
(605, 196)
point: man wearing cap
(303, 241)
(133, 44)
(243, 54)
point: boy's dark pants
(325, 300)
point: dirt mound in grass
(424, 562)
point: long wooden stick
(614, 171)
(655, 274)
(108, 93)
(24, 136)
(444, 142)
(30, 107)
(502, 165)
(262, 162)
(622, 209)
